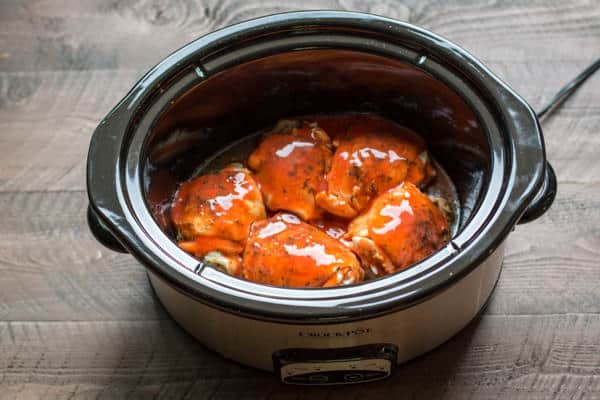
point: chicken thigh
(334, 227)
(213, 213)
(284, 251)
(290, 165)
(372, 155)
(401, 227)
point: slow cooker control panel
(335, 366)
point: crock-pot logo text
(346, 333)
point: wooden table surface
(79, 321)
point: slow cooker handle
(544, 199)
(102, 233)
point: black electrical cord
(568, 90)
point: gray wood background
(78, 321)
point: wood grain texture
(47, 120)
(73, 35)
(559, 356)
(53, 269)
(551, 265)
(78, 321)
(97, 34)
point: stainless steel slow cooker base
(240, 79)
(413, 331)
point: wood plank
(54, 113)
(551, 265)
(68, 34)
(53, 269)
(513, 357)
(47, 120)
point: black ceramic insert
(241, 79)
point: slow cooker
(242, 78)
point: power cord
(568, 90)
